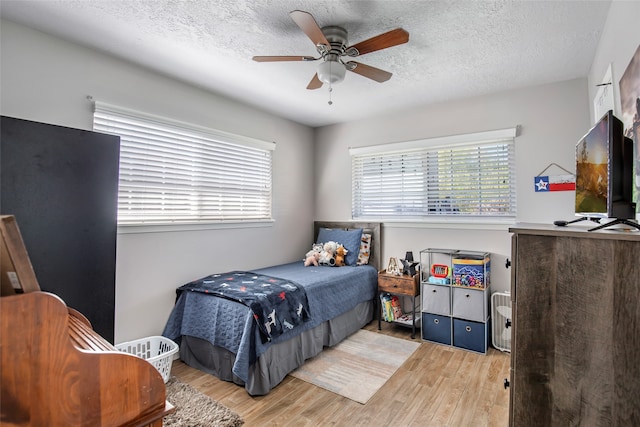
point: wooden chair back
(17, 272)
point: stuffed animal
(327, 256)
(312, 257)
(341, 252)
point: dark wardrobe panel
(62, 186)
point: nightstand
(399, 285)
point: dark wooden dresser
(575, 356)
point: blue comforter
(277, 304)
(331, 291)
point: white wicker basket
(157, 350)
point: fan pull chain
(330, 90)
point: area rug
(194, 409)
(359, 366)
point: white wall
(618, 43)
(552, 119)
(46, 79)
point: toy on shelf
(409, 265)
(440, 274)
(472, 272)
(394, 267)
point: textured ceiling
(456, 49)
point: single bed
(220, 336)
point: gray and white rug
(359, 366)
(195, 409)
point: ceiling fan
(331, 44)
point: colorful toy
(439, 280)
(474, 273)
(439, 270)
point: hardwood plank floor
(437, 386)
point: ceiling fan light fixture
(331, 72)
(332, 45)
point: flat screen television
(604, 174)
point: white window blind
(472, 176)
(172, 172)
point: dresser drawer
(470, 304)
(435, 299)
(405, 285)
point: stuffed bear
(312, 257)
(341, 252)
(327, 256)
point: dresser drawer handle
(467, 328)
(434, 291)
(436, 321)
(467, 295)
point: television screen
(604, 172)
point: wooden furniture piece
(456, 290)
(17, 272)
(56, 370)
(399, 285)
(576, 327)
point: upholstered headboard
(374, 228)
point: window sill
(499, 224)
(167, 228)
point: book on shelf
(407, 318)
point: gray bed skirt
(279, 359)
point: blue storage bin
(436, 328)
(473, 336)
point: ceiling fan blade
(315, 83)
(383, 41)
(308, 24)
(370, 72)
(283, 58)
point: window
(462, 176)
(176, 173)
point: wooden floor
(437, 386)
